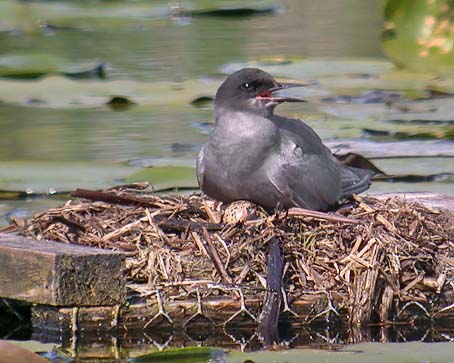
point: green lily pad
(32, 66)
(61, 92)
(34, 12)
(416, 166)
(165, 177)
(394, 149)
(399, 187)
(419, 34)
(26, 208)
(445, 132)
(348, 76)
(444, 86)
(70, 13)
(430, 110)
(358, 353)
(50, 177)
(186, 355)
(315, 68)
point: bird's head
(252, 90)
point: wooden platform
(60, 274)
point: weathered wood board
(60, 274)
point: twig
(111, 198)
(301, 212)
(122, 230)
(269, 316)
(182, 224)
(215, 259)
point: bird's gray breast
(235, 154)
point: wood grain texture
(59, 274)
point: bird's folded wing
(309, 183)
(354, 181)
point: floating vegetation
(445, 132)
(186, 355)
(375, 96)
(37, 65)
(371, 260)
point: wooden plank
(60, 274)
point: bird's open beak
(268, 94)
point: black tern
(271, 160)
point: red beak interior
(268, 94)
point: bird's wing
(305, 172)
(200, 168)
(306, 180)
(354, 180)
(324, 177)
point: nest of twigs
(375, 254)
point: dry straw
(372, 257)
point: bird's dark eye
(247, 86)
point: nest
(374, 254)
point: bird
(271, 160)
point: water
(58, 134)
(148, 55)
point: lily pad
(416, 166)
(437, 110)
(186, 355)
(354, 78)
(444, 86)
(26, 208)
(398, 187)
(315, 68)
(32, 66)
(419, 34)
(374, 150)
(61, 92)
(413, 178)
(166, 177)
(375, 96)
(358, 353)
(51, 177)
(70, 14)
(445, 132)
